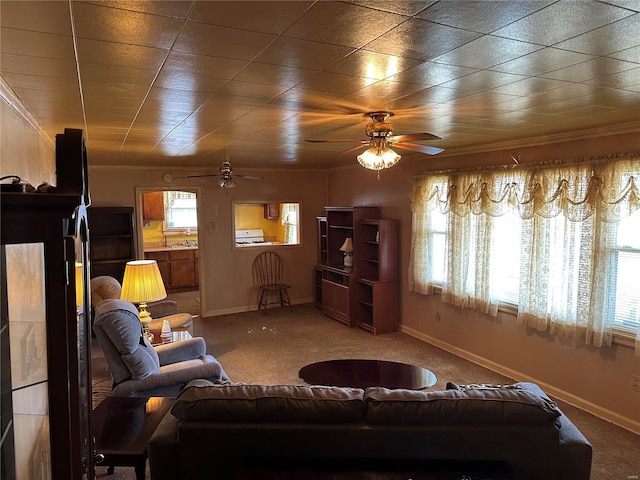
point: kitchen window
(181, 211)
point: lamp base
(147, 334)
(145, 320)
(348, 260)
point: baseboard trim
(248, 308)
(592, 408)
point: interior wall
(597, 379)
(226, 278)
(24, 150)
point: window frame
(191, 230)
(234, 226)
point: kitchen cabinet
(182, 269)
(162, 259)
(271, 210)
(153, 206)
(178, 267)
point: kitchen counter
(169, 249)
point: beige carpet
(254, 348)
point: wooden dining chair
(269, 275)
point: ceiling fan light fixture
(377, 159)
(226, 182)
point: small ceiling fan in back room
(226, 176)
(378, 153)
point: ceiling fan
(379, 154)
(226, 176)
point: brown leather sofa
(225, 431)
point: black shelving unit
(113, 241)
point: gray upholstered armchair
(138, 368)
(106, 287)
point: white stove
(251, 237)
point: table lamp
(347, 248)
(142, 283)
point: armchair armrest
(177, 321)
(182, 350)
(162, 308)
(170, 382)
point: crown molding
(633, 127)
(14, 102)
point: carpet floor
(271, 349)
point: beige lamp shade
(142, 282)
(347, 246)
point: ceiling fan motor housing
(379, 127)
(225, 169)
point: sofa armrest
(182, 350)
(575, 450)
(163, 450)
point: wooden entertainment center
(364, 295)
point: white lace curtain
(566, 207)
(289, 216)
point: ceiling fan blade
(413, 137)
(335, 141)
(205, 175)
(364, 144)
(419, 148)
(248, 177)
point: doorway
(167, 231)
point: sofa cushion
(119, 322)
(238, 403)
(447, 407)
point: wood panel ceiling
(188, 83)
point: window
(437, 237)
(506, 256)
(561, 241)
(259, 224)
(181, 211)
(623, 251)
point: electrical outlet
(635, 383)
